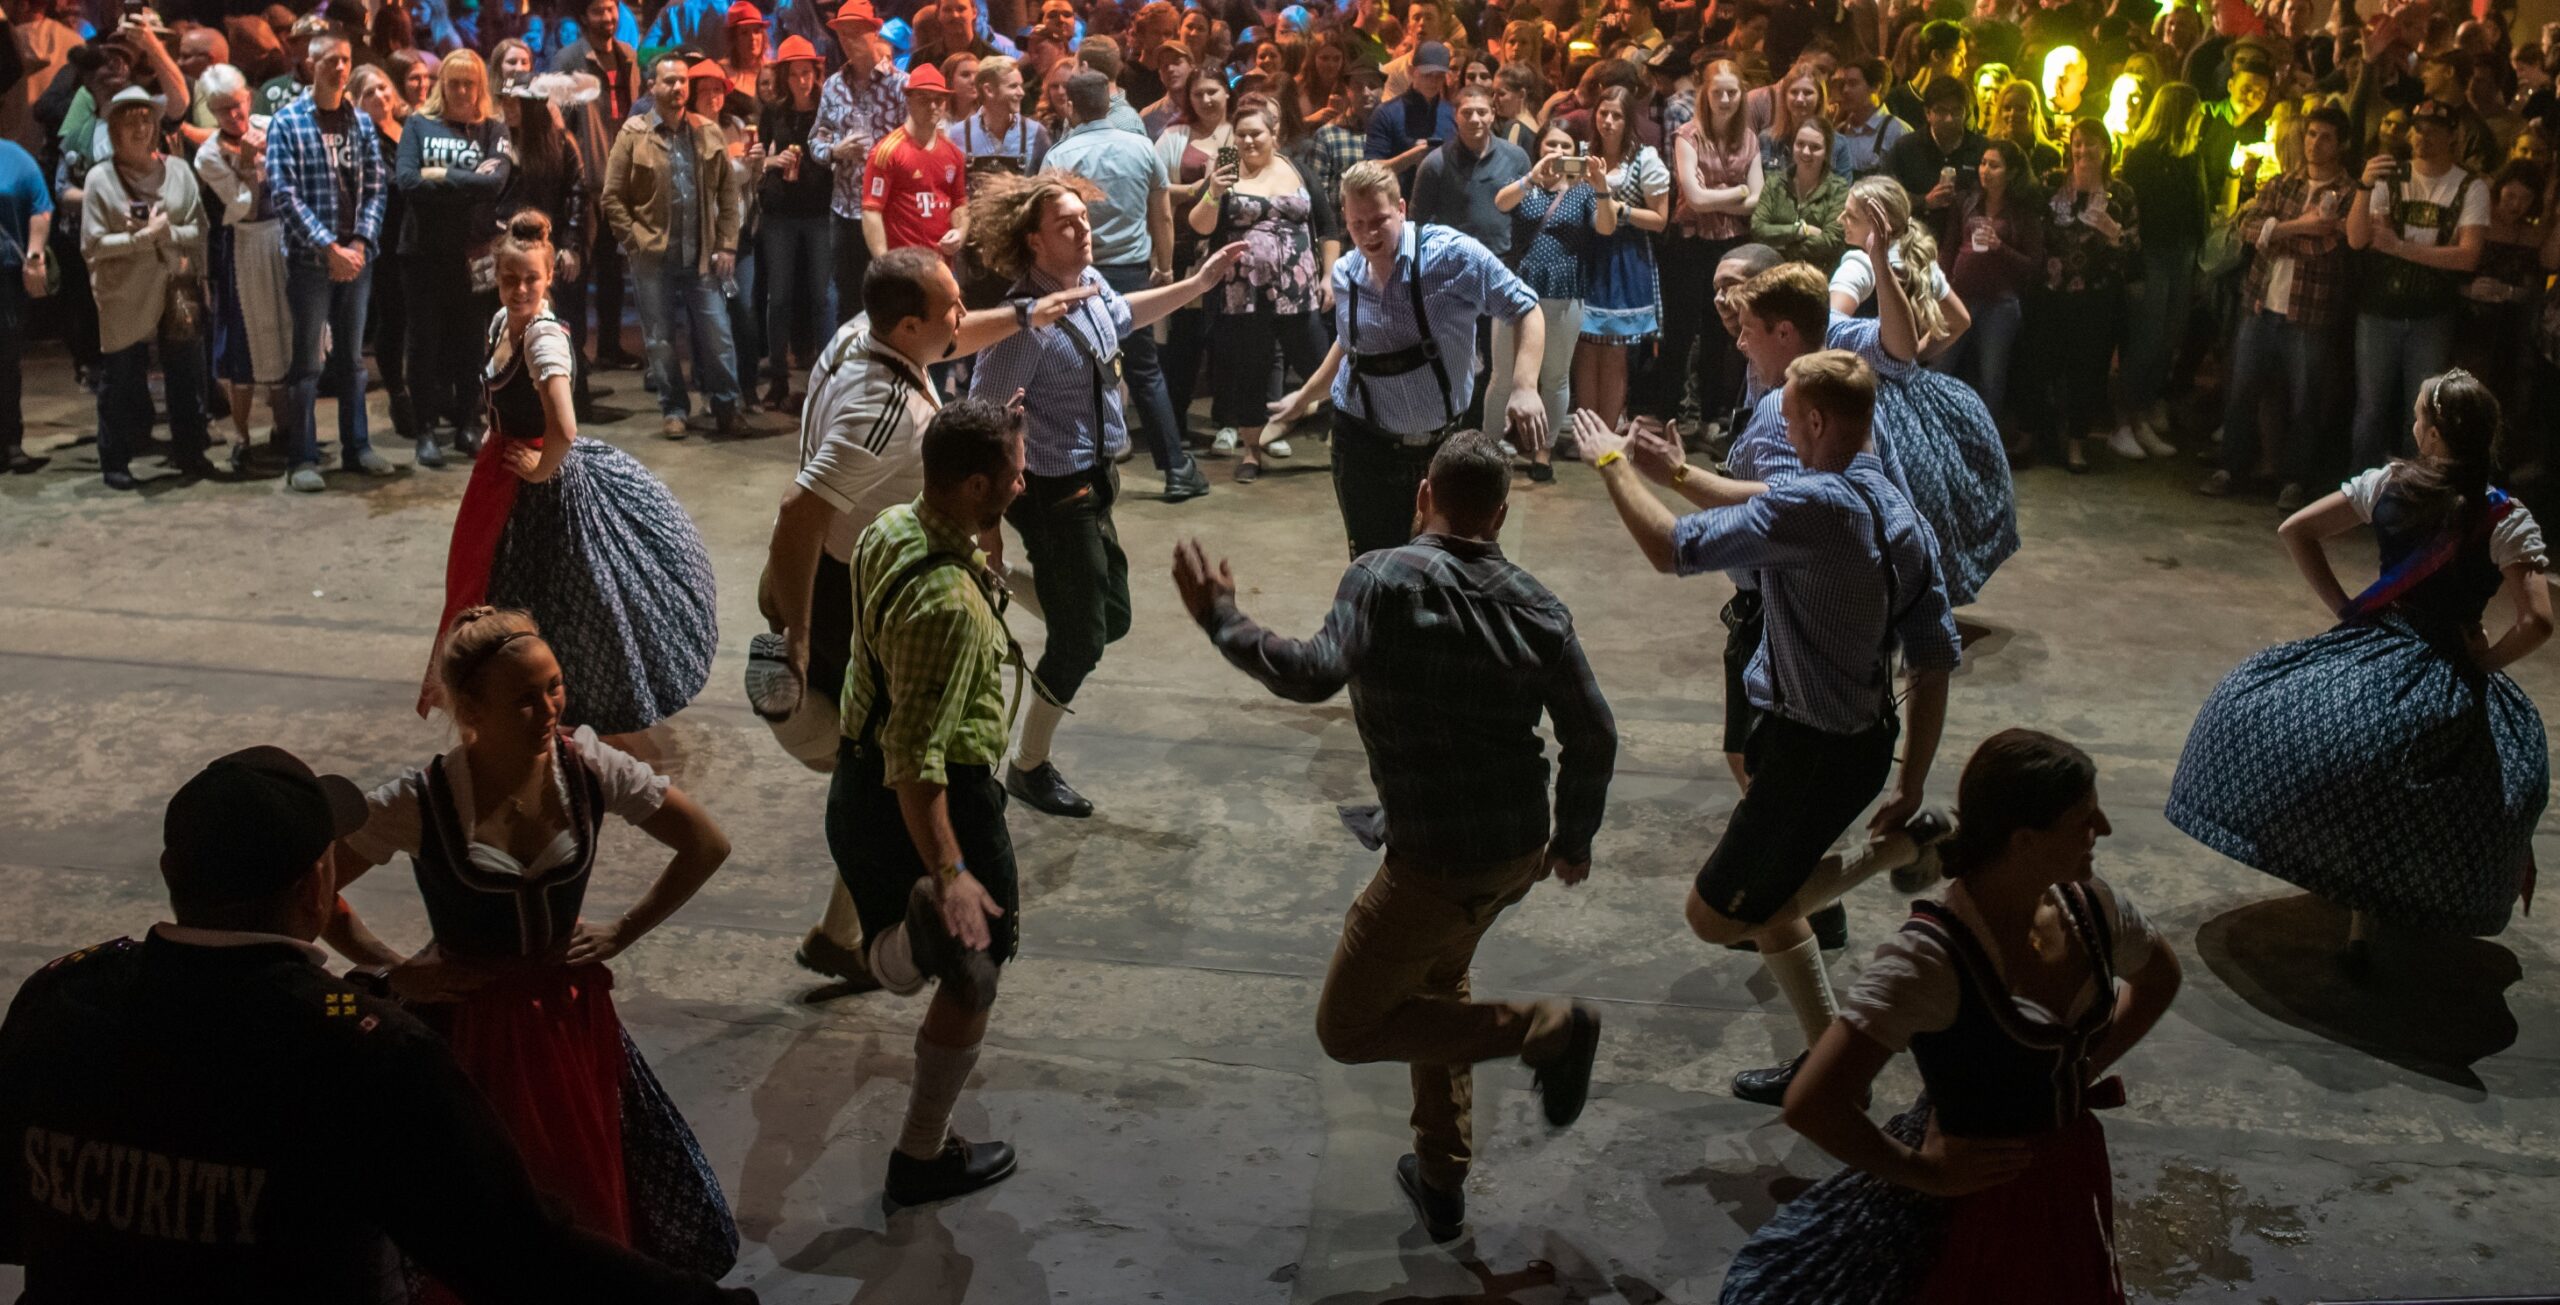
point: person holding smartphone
(2423, 225)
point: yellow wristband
(1605, 459)
(1680, 474)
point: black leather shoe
(1541, 473)
(1566, 1084)
(1185, 482)
(820, 954)
(1046, 790)
(1767, 1087)
(962, 1168)
(119, 480)
(1830, 926)
(197, 467)
(1443, 1214)
(19, 462)
(430, 454)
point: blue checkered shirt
(304, 185)
(1824, 657)
(1461, 281)
(1452, 653)
(1057, 381)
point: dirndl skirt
(607, 561)
(2374, 768)
(1623, 302)
(2047, 1235)
(1943, 447)
(230, 335)
(594, 1127)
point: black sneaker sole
(1416, 1197)
(1564, 1088)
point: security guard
(209, 1115)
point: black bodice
(480, 912)
(1995, 1072)
(2452, 598)
(515, 401)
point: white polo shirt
(862, 433)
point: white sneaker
(2216, 485)
(1277, 448)
(2291, 498)
(2153, 444)
(2125, 445)
(1226, 440)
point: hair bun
(469, 614)
(529, 226)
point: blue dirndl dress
(608, 562)
(2308, 751)
(1622, 295)
(1942, 446)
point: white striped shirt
(862, 433)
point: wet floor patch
(2185, 1233)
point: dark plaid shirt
(2318, 298)
(1452, 653)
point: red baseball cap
(927, 80)
(745, 14)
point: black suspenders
(1430, 348)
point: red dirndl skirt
(2048, 1235)
(545, 1047)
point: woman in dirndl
(573, 530)
(1622, 299)
(1937, 439)
(2403, 711)
(2014, 995)
(502, 832)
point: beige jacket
(639, 188)
(128, 272)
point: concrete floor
(2291, 1137)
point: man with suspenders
(1402, 369)
(1848, 573)
(1037, 232)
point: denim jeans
(13, 352)
(124, 404)
(799, 256)
(2269, 349)
(2394, 355)
(2158, 323)
(1144, 371)
(1982, 356)
(664, 292)
(746, 324)
(335, 309)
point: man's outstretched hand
(1202, 586)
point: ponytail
(1913, 256)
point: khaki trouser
(1397, 990)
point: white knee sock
(1039, 728)
(893, 962)
(940, 1074)
(1799, 975)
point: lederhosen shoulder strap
(1101, 369)
(1892, 586)
(1430, 347)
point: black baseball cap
(2435, 111)
(251, 824)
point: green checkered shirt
(940, 642)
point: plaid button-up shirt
(940, 643)
(1336, 149)
(304, 184)
(2316, 290)
(862, 110)
(1452, 653)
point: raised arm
(1300, 670)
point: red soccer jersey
(915, 190)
